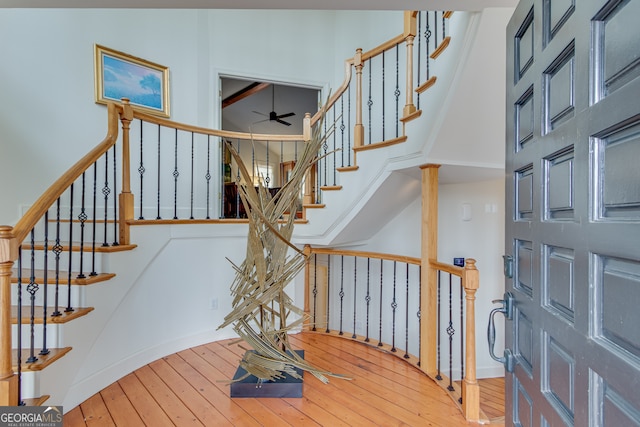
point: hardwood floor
(188, 389)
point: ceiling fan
(273, 116)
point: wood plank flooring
(189, 389)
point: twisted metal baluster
(368, 299)
(105, 192)
(32, 288)
(406, 334)
(419, 53)
(328, 289)
(19, 328)
(192, 171)
(207, 176)
(141, 171)
(158, 177)
(315, 289)
(94, 220)
(397, 91)
(381, 280)
(69, 280)
(57, 250)
(439, 375)
(355, 288)
(115, 199)
(341, 291)
(394, 306)
(82, 217)
(176, 174)
(45, 255)
(450, 332)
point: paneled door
(573, 213)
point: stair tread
(86, 247)
(62, 277)
(43, 360)
(63, 318)
(36, 401)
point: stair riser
(89, 262)
(54, 337)
(77, 296)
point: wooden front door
(573, 213)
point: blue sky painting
(122, 79)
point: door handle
(508, 360)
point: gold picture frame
(119, 75)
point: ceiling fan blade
(258, 112)
(282, 116)
(283, 122)
(261, 121)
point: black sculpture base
(251, 387)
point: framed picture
(118, 75)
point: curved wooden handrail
(49, 197)
(332, 100)
(448, 268)
(364, 254)
(149, 118)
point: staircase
(98, 308)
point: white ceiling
(266, 4)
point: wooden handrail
(364, 254)
(150, 118)
(384, 46)
(337, 94)
(49, 197)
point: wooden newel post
(410, 29)
(429, 275)
(126, 197)
(470, 387)
(307, 284)
(358, 131)
(8, 380)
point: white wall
(48, 118)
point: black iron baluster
(105, 192)
(384, 102)
(141, 170)
(341, 291)
(435, 30)
(115, 198)
(45, 282)
(368, 299)
(370, 101)
(19, 328)
(438, 323)
(238, 184)
(94, 220)
(406, 331)
(82, 217)
(349, 127)
(207, 176)
(450, 332)
(342, 127)
(419, 315)
(328, 289)
(32, 288)
(334, 144)
(325, 147)
(69, 308)
(158, 196)
(381, 280)
(315, 289)
(57, 250)
(176, 174)
(444, 29)
(427, 36)
(192, 171)
(267, 179)
(394, 305)
(397, 91)
(419, 54)
(355, 297)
